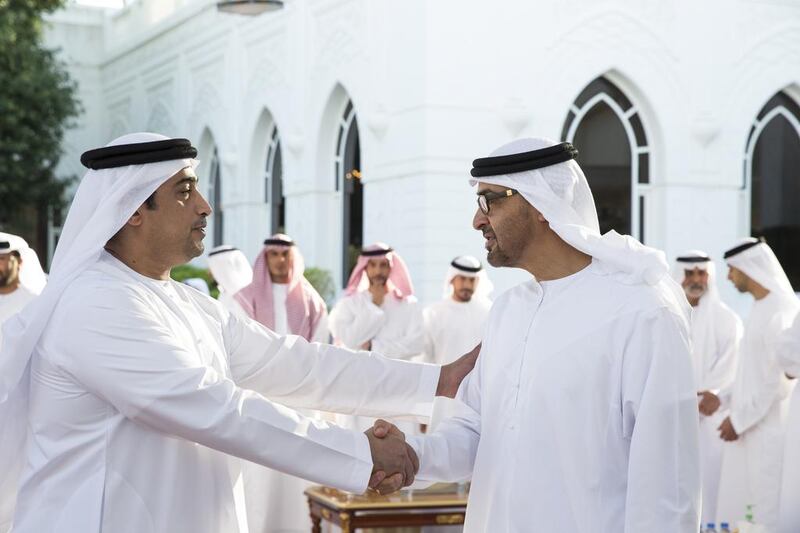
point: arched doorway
(614, 154)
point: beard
(497, 257)
(695, 290)
(464, 295)
(378, 279)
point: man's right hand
(709, 403)
(394, 462)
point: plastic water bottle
(710, 528)
(724, 527)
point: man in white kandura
(789, 359)
(232, 272)
(280, 297)
(454, 325)
(21, 280)
(21, 275)
(754, 430)
(144, 394)
(581, 413)
(379, 312)
(716, 332)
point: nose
(203, 207)
(479, 220)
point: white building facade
(345, 122)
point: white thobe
(12, 303)
(232, 306)
(279, 294)
(716, 333)
(751, 465)
(789, 358)
(453, 328)
(395, 330)
(580, 415)
(275, 501)
(143, 391)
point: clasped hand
(394, 462)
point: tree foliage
(37, 104)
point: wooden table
(439, 506)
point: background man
(454, 325)
(21, 275)
(716, 332)
(232, 272)
(379, 312)
(280, 297)
(755, 427)
(789, 358)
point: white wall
(435, 85)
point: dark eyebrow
(482, 191)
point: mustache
(201, 224)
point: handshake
(394, 462)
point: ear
(136, 218)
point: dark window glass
(644, 168)
(605, 157)
(215, 178)
(352, 193)
(775, 192)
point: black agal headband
(465, 268)
(375, 253)
(138, 154)
(693, 259)
(278, 242)
(509, 164)
(736, 250)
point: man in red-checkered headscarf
(280, 297)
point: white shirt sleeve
(789, 349)
(294, 372)
(120, 351)
(746, 414)
(448, 453)
(659, 417)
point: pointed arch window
(772, 177)
(273, 184)
(348, 181)
(215, 197)
(614, 153)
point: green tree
(37, 104)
